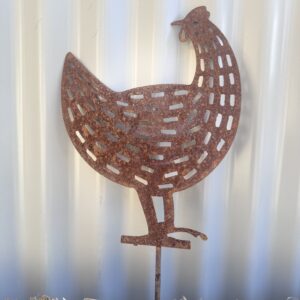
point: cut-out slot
(144, 136)
(220, 62)
(211, 82)
(158, 203)
(171, 174)
(188, 144)
(211, 98)
(80, 137)
(190, 174)
(81, 109)
(90, 104)
(220, 145)
(229, 123)
(113, 169)
(202, 64)
(176, 106)
(199, 49)
(121, 103)
(164, 144)
(221, 80)
(70, 94)
(130, 114)
(100, 98)
(137, 97)
(109, 113)
(133, 148)
(200, 81)
(157, 94)
(231, 78)
(101, 146)
(150, 107)
(123, 127)
(141, 180)
(156, 156)
(181, 93)
(123, 157)
(91, 155)
(170, 120)
(220, 41)
(222, 99)
(181, 159)
(71, 115)
(147, 169)
(165, 186)
(168, 131)
(232, 100)
(202, 157)
(197, 98)
(218, 120)
(101, 122)
(111, 137)
(206, 116)
(89, 129)
(229, 61)
(195, 129)
(192, 115)
(207, 138)
(211, 64)
(145, 123)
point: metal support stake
(157, 272)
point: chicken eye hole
(195, 23)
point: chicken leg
(158, 231)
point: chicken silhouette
(158, 139)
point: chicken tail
(83, 73)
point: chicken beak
(177, 23)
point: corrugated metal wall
(60, 222)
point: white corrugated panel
(60, 222)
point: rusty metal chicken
(158, 139)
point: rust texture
(158, 139)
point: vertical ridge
(42, 132)
(9, 200)
(86, 214)
(32, 234)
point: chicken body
(163, 138)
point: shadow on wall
(245, 125)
